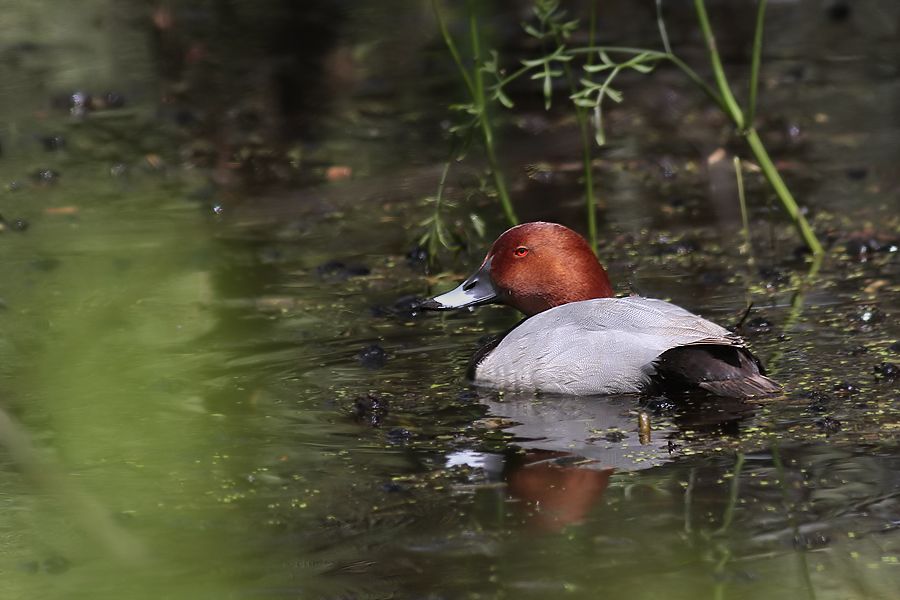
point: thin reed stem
(695, 77)
(745, 220)
(486, 128)
(587, 144)
(754, 64)
(663, 34)
(451, 46)
(784, 194)
(731, 105)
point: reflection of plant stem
(727, 518)
(797, 303)
(801, 555)
(688, 500)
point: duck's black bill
(474, 291)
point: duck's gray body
(616, 346)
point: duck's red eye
(521, 251)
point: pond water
(214, 385)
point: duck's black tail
(722, 370)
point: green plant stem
(745, 219)
(754, 64)
(731, 105)
(486, 129)
(663, 34)
(695, 77)
(512, 77)
(616, 50)
(671, 57)
(587, 145)
(733, 110)
(438, 200)
(451, 46)
(774, 178)
(592, 29)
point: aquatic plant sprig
(556, 28)
(477, 107)
(643, 62)
(553, 27)
(589, 92)
(436, 233)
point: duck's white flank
(601, 346)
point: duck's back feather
(600, 346)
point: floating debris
(45, 176)
(339, 271)
(370, 409)
(372, 357)
(887, 371)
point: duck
(579, 339)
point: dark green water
(185, 410)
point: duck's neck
(591, 282)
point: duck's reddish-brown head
(532, 267)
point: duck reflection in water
(565, 449)
(557, 489)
